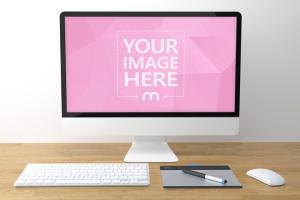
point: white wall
(30, 107)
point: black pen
(205, 176)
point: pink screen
(150, 64)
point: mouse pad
(173, 177)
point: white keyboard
(84, 174)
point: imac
(150, 75)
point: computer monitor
(147, 74)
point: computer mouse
(266, 176)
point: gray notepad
(173, 177)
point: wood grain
(281, 157)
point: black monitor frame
(65, 113)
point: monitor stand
(150, 149)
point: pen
(205, 176)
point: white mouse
(266, 176)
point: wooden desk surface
(281, 157)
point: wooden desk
(281, 157)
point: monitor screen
(150, 64)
